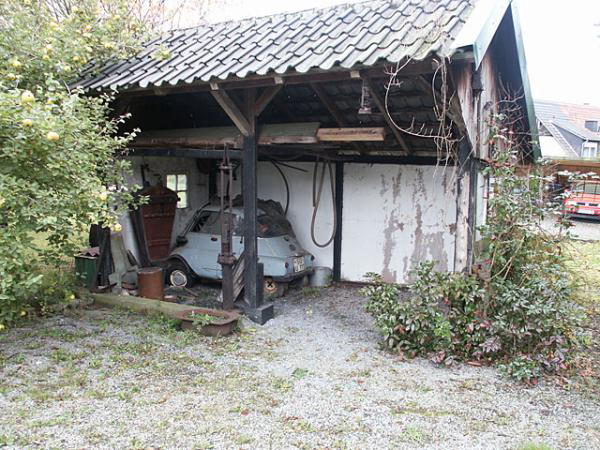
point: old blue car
(198, 247)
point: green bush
(517, 309)
(60, 169)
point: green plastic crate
(85, 269)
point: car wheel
(273, 289)
(178, 275)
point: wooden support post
(380, 103)
(472, 216)
(253, 278)
(339, 204)
(463, 247)
(245, 120)
(249, 162)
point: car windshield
(209, 222)
(273, 226)
(587, 188)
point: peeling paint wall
(393, 217)
(396, 216)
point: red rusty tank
(157, 217)
(151, 283)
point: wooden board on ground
(139, 304)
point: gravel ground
(313, 377)
(583, 229)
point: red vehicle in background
(583, 200)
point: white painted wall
(159, 168)
(271, 187)
(396, 216)
(393, 217)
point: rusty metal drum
(151, 283)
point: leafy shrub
(59, 165)
(516, 309)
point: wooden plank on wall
(375, 134)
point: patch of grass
(64, 356)
(415, 409)
(299, 373)
(63, 335)
(310, 292)
(283, 384)
(415, 435)
(363, 373)
(243, 439)
(534, 446)
(584, 262)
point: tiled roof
(557, 116)
(360, 34)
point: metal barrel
(321, 277)
(150, 283)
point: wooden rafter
(453, 111)
(265, 98)
(380, 103)
(330, 105)
(333, 110)
(233, 111)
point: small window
(178, 183)
(590, 150)
(592, 125)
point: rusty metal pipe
(226, 258)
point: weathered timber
(374, 134)
(265, 98)
(233, 111)
(380, 103)
(272, 134)
(335, 112)
(139, 304)
(380, 72)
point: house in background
(567, 130)
(569, 136)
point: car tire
(179, 275)
(273, 289)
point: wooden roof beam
(453, 111)
(335, 112)
(265, 98)
(380, 103)
(381, 72)
(233, 111)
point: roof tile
(345, 35)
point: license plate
(298, 264)
(585, 211)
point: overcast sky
(561, 41)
